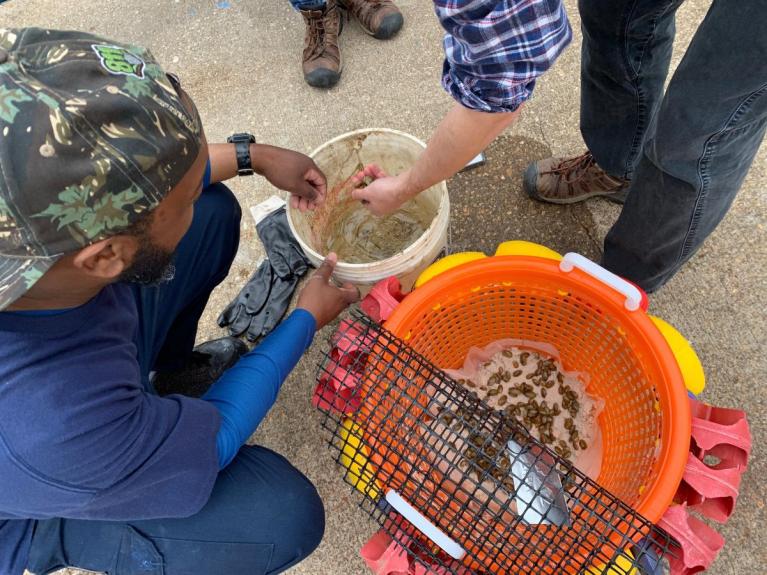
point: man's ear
(107, 259)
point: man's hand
(384, 195)
(293, 172)
(461, 135)
(323, 300)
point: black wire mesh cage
(465, 487)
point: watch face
(243, 137)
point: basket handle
(632, 293)
(434, 533)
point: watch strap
(242, 144)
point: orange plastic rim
(646, 419)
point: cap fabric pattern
(92, 135)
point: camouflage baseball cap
(93, 133)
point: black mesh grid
(395, 422)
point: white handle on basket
(424, 525)
(632, 293)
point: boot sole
(531, 178)
(322, 78)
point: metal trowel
(539, 495)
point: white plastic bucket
(395, 152)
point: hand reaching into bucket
(324, 300)
(382, 194)
(293, 172)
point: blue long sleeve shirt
(246, 392)
(81, 438)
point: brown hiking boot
(322, 61)
(572, 180)
(379, 18)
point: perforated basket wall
(645, 422)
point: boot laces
(574, 169)
(316, 36)
(365, 9)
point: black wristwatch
(242, 144)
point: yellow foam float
(354, 457)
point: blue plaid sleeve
(495, 49)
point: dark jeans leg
(263, 517)
(169, 313)
(625, 60)
(299, 4)
(699, 148)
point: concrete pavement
(240, 62)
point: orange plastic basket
(646, 420)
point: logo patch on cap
(119, 61)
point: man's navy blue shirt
(79, 435)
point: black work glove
(263, 301)
(264, 321)
(282, 249)
(251, 300)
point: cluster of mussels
(480, 455)
(532, 390)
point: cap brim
(17, 275)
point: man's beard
(151, 267)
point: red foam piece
(700, 544)
(347, 337)
(351, 361)
(336, 388)
(721, 432)
(384, 556)
(324, 396)
(343, 401)
(724, 434)
(344, 378)
(711, 490)
(383, 299)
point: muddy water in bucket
(344, 225)
(359, 237)
(371, 249)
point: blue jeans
(301, 4)
(263, 515)
(686, 151)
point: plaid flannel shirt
(495, 49)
